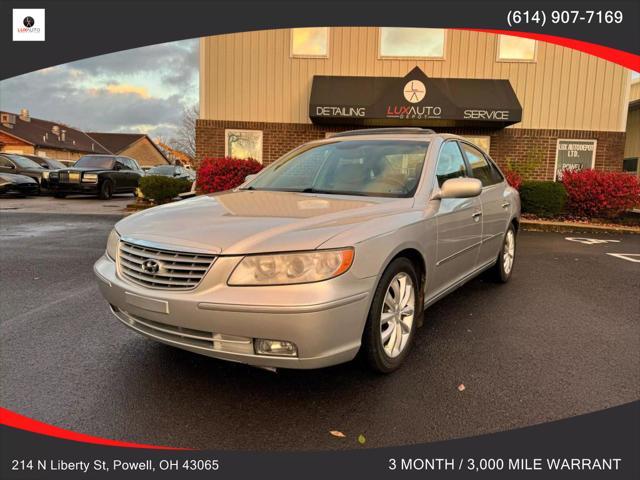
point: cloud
(142, 90)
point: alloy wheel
(508, 252)
(396, 318)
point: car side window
(480, 167)
(450, 163)
(4, 162)
(495, 172)
(135, 165)
(120, 165)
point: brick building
(534, 106)
(23, 134)
(135, 145)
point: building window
(243, 144)
(310, 42)
(630, 165)
(484, 142)
(516, 49)
(412, 42)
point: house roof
(39, 133)
(117, 142)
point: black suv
(101, 175)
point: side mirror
(460, 188)
(250, 177)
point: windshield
(388, 168)
(95, 161)
(162, 170)
(23, 162)
(54, 164)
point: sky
(143, 90)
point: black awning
(414, 100)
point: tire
(382, 354)
(106, 190)
(59, 195)
(502, 270)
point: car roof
(399, 133)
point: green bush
(545, 199)
(162, 189)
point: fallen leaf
(461, 387)
(337, 433)
(361, 439)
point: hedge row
(584, 193)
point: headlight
(112, 244)
(90, 178)
(45, 174)
(289, 268)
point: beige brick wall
(145, 153)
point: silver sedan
(337, 248)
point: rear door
(458, 222)
(122, 176)
(495, 207)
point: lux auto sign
(574, 155)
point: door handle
(476, 215)
(506, 204)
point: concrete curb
(571, 227)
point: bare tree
(185, 139)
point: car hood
(241, 222)
(32, 171)
(16, 178)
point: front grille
(69, 177)
(175, 270)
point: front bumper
(22, 189)
(70, 188)
(325, 320)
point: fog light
(279, 348)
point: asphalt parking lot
(79, 204)
(561, 339)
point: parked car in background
(176, 171)
(336, 248)
(21, 165)
(101, 175)
(48, 164)
(20, 185)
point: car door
(121, 177)
(137, 172)
(458, 223)
(495, 207)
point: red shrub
(218, 174)
(594, 193)
(513, 178)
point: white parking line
(629, 257)
(590, 241)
